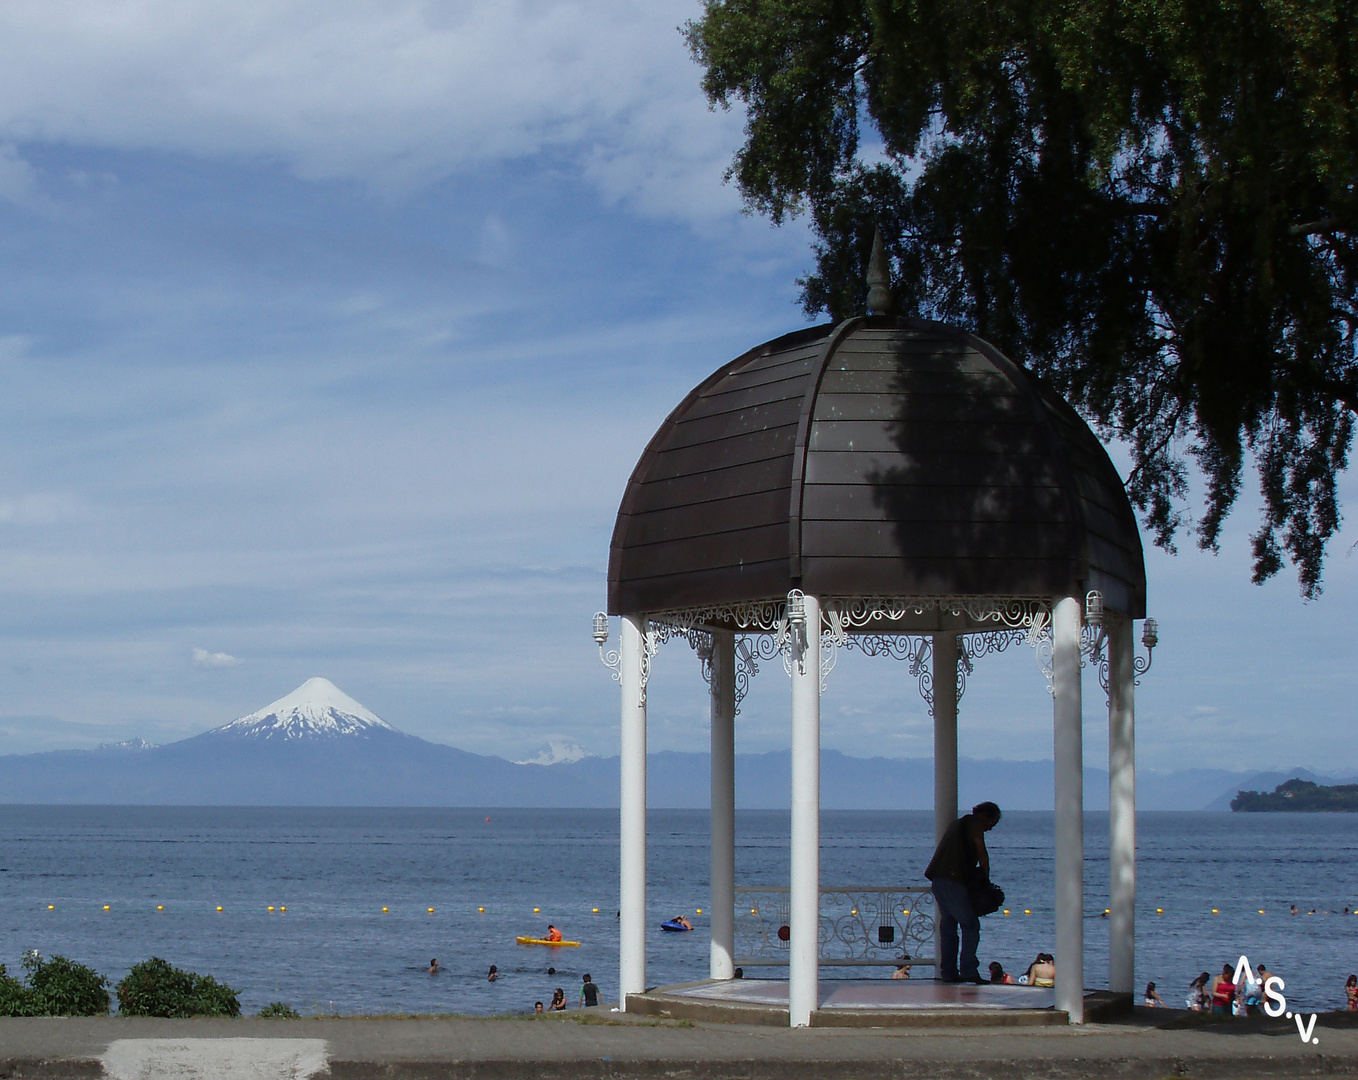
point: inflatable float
(543, 941)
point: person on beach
(537, 1008)
(433, 967)
(1222, 991)
(902, 972)
(1152, 999)
(589, 993)
(960, 860)
(1351, 994)
(553, 934)
(1042, 971)
(492, 974)
(558, 1001)
(1250, 993)
(1198, 996)
(998, 976)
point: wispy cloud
(395, 92)
(204, 659)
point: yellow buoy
(105, 907)
(536, 910)
(160, 907)
(700, 911)
(1108, 911)
(596, 911)
(51, 907)
(1006, 911)
(1159, 911)
(1261, 911)
(219, 907)
(481, 910)
(270, 907)
(384, 911)
(753, 912)
(854, 912)
(283, 908)
(905, 911)
(431, 911)
(1027, 911)
(1215, 912)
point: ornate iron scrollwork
(859, 927)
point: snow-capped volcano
(316, 709)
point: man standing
(960, 859)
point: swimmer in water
(537, 1008)
(493, 974)
(433, 967)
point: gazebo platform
(871, 1003)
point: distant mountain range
(319, 747)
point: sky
(329, 335)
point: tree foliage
(54, 986)
(1151, 203)
(156, 988)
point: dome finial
(879, 277)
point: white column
(1069, 754)
(723, 706)
(804, 901)
(1121, 806)
(945, 732)
(632, 824)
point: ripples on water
(336, 869)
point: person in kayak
(553, 934)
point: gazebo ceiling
(879, 457)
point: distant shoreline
(1299, 796)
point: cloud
(392, 91)
(204, 659)
(558, 751)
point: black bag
(986, 897)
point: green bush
(13, 996)
(280, 1010)
(154, 988)
(54, 987)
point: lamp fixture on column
(1150, 637)
(613, 658)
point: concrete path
(583, 1046)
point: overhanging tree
(1149, 203)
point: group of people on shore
(1221, 994)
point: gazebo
(900, 487)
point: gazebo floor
(869, 1003)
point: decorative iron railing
(859, 927)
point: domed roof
(880, 457)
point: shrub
(280, 1010)
(55, 987)
(154, 988)
(13, 996)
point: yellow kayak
(543, 941)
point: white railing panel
(859, 926)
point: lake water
(334, 949)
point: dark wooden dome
(879, 457)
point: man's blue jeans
(954, 913)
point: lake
(336, 869)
